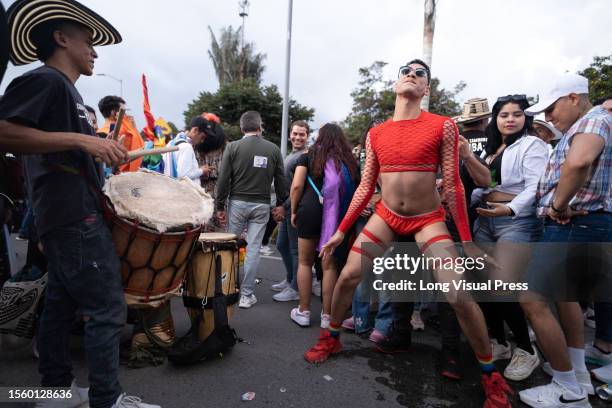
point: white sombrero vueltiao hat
(25, 15)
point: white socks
(577, 358)
(568, 380)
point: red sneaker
(325, 347)
(496, 391)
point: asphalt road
(270, 363)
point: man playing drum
(43, 116)
(405, 152)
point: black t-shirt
(309, 196)
(477, 139)
(60, 185)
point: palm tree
(233, 62)
(428, 33)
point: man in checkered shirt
(574, 197)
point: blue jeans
(287, 245)
(555, 269)
(254, 217)
(361, 313)
(26, 223)
(84, 273)
(493, 229)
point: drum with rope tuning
(200, 279)
(155, 222)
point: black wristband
(552, 205)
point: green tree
(599, 74)
(233, 62)
(232, 99)
(442, 101)
(374, 99)
(173, 127)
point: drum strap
(219, 303)
(198, 303)
(193, 302)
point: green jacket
(248, 167)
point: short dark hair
(109, 103)
(250, 121)
(199, 122)
(90, 109)
(422, 63)
(600, 101)
(300, 123)
(42, 36)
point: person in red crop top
(406, 152)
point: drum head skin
(217, 237)
(158, 201)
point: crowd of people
(500, 180)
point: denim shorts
(493, 229)
(572, 262)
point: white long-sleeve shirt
(184, 160)
(522, 166)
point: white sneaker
(301, 318)
(128, 401)
(266, 250)
(499, 351)
(522, 365)
(280, 286)
(247, 301)
(416, 321)
(316, 287)
(583, 378)
(595, 356)
(325, 318)
(603, 374)
(288, 294)
(79, 399)
(554, 395)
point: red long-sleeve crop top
(422, 144)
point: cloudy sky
(496, 46)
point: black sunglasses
(407, 69)
(513, 98)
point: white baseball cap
(562, 85)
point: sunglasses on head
(407, 69)
(514, 98)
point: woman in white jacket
(508, 221)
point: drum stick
(135, 154)
(118, 123)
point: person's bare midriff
(498, 197)
(410, 193)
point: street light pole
(285, 121)
(116, 79)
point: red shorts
(403, 225)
